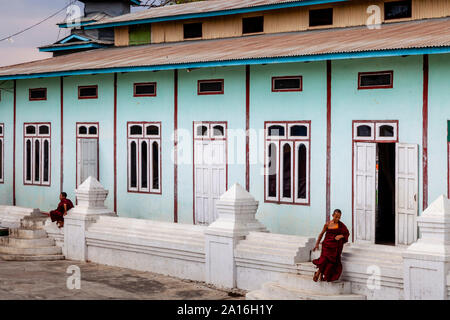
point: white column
(237, 209)
(426, 262)
(91, 203)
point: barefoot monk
(63, 206)
(329, 264)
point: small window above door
(253, 25)
(375, 131)
(87, 129)
(276, 131)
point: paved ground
(47, 280)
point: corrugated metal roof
(201, 7)
(404, 35)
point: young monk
(329, 264)
(63, 207)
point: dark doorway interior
(385, 216)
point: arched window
(276, 131)
(36, 160)
(202, 131)
(30, 130)
(287, 171)
(44, 130)
(155, 165)
(28, 160)
(144, 165)
(386, 131)
(364, 131)
(46, 160)
(299, 131)
(93, 130)
(218, 131)
(136, 130)
(133, 166)
(272, 168)
(152, 130)
(301, 174)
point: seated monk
(329, 264)
(63, 207)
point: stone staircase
(29, 242)
(302, 287)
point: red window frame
(131, 137)
(287, 90)
(37, 99)
(389, 86)
(89, 97)
(143, 95)
(87, 136)
(278, 141)
(37, 135)
(210, 92)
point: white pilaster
(91, 203)
(237, 209)
(426, 262)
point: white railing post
(237, 209)
(426, 263)
(91, 203)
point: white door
(87, 161)
(406, 193)
(364, 163)
(210, 178)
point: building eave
(229, 63)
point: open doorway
(385, 194)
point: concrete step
(302, 282)
(30, 251)
(33, 222)
(306, 269)
(16, 257)
(276, 291)
(27, 233)
(29, 243)
(256, 295)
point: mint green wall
(403, 102)
(159, 108)
(229, 107)
(7, 118)
(438, 115)
(89, 110)
(43, 197)
(309, 104)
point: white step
(276, 291)
(15, 257)
(29, 243)
(256, 295)
(306, 268)
(301, 282)
(30, 251)
(27, 233)
(33, 223)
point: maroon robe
(58, 214)
(329, 263)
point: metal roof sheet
(201, 8)
(394, 36)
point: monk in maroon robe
(329, 264)
(63, 207)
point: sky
(17, 15)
